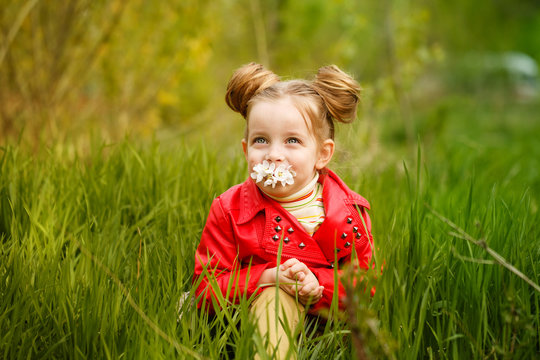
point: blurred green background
(114, 133)
(75, 70)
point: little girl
(291, 202)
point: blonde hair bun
(339, 91)
(245, 83)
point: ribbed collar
(299, 194)
(252, 200)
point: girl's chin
(278, 191)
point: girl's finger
(287, 264)
(289, 289)
(308, 289)
(288, 274)
(299, 267)
(316, 294)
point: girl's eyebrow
(294, 133)
(286, 133)
(256, 134)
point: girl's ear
(244, 147)
(325, 154)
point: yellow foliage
(167, 98)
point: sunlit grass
(139, 212)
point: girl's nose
(275, 154)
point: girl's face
(278, 133)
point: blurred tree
(486, 25)
(49, 49)
(109, 67)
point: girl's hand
(296, 279)
(310, 294)
(309, 290)
(294, 269)
(286, 280)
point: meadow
(97, 248)
(98, 229)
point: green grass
(138, 211)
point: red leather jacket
(244, 230)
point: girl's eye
(259, 140)
(293, 141)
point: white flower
(271, 175)
(262, 171)
(270, 182)
(284, 174)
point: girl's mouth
(271, 175)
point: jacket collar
(252, 201)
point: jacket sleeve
(222, 279)
(326, 275)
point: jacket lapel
(338, 233)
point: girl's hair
(332, 96)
